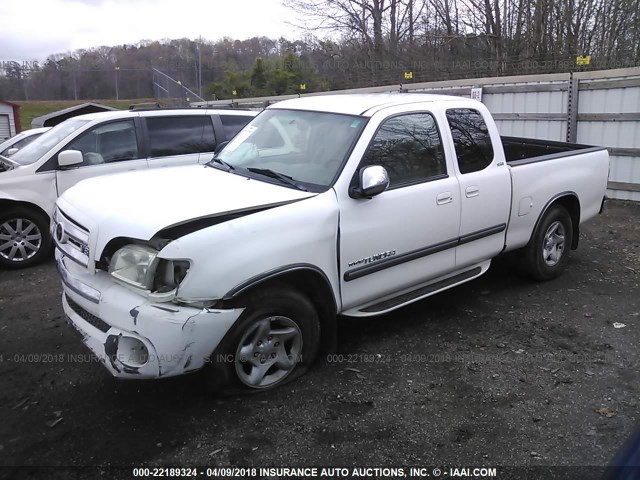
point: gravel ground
(500, 371)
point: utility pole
(117, 93)
(200, 68)
(75, 85)
(24, 84)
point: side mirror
(373, 180)
(69, 158)
(219, 148)
(11, 151)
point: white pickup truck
(353, 204)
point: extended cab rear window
(180, 135)
(471, 139)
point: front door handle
(472, 191)
(444, 198)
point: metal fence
(172, 92)
(596, 108)
(608, 113)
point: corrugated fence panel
(544, 129)
(609, 114)
(444, 90)
(539, 106)
(516, 101)
(524, 102)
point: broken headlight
(140, 267)
(135, 265)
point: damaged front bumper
(135, 338)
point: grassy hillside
(32, 109)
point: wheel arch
(6, 203)
(309, 280)
(571, 203)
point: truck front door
(407, 234)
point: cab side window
(409, 148)
(111, 142)
(471, 139)
(180, 135)
(232, 124)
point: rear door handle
(472, 191)
(444, 198)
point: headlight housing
(135, 265)
(140, 267)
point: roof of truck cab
(365, 104)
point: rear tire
(547, 253)
(24, 238)
(274, 341)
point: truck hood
(142, 203)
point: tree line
(367, 43)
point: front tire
(24, 238)
(547, 254)
(273, 342)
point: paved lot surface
(500, 371)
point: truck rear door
(484, 183)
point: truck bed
(522, 151)
(542, 170)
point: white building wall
(6, 112)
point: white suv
(91, 145)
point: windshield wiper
(219, 161)
(267, 172)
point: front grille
(74, 222)
(88, 317)
(70, 237)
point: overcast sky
(34, 29)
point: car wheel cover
(268, 352)
(20, 239)
(553, 244)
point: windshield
(309, 147)
(41, 145)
